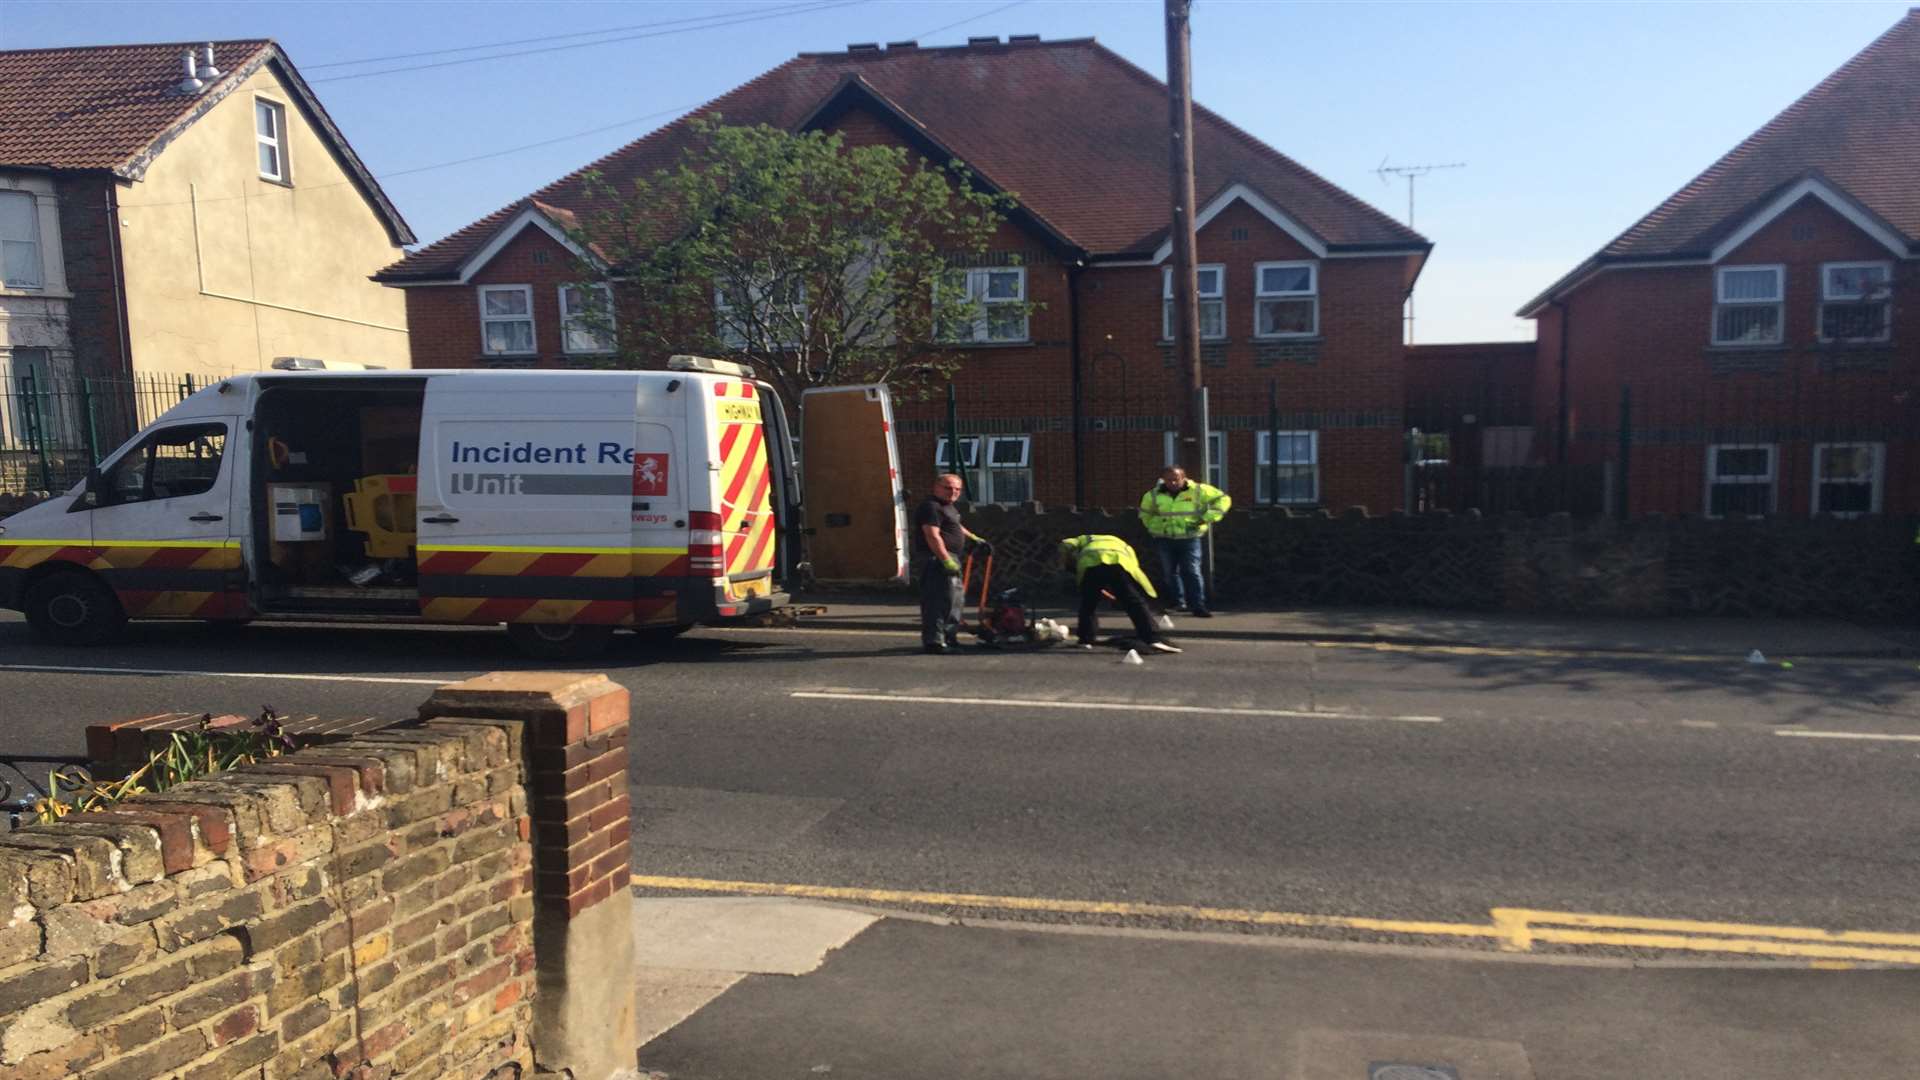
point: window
(1212, 290)
(1216, 455)
(1855, 302)
(779, 309)
(20, 266)
(506, 320)
(999, 296)
(1846, 478)
(1747, 305)
(579, 333)
(1006, 474)
(1740, 479)
(45, 414)
(1286, 299)
(270, 135)
(172, 463)
(1296, 468)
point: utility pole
(1412, 173)
(1186, 303)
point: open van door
(850, 470)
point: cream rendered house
(181, 211)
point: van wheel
(74, 609)
(559, 641)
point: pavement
(852, 994)
(1669, 636)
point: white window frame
(1262, 454)
(1771, 477)
(1778, 303)
(1216, 454)
(1885, 301)
(1878, 482)
(533, 328)
(1217, 296)
(734, 337)
(977, 465)
(33, 240)
(1312, 292)
(278, 140)
(979, 330)
(574, 322)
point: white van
(564, 504)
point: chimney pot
(209, 70)
(189, 83)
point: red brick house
(1760, 324)
(1303, 282)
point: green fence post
(93, 427)
(36, 427)
(1626, 451)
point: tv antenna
(1386, 173)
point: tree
(815, 262)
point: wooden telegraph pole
(1186, 303)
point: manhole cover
(1395, 1070)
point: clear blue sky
(1573, 119)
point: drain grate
(1400, 1070)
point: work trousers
(940, 604)
(1126, 592)
(1180, 566)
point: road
(1400, 784)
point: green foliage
(188, 755)
(815, 262)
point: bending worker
(1177, 513)
(1106, 565)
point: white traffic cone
(1756, 657)
(1132, 657)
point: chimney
(208, 70)
(1023, 39)
(975, 41)
(864, 47)
(902, 45)
(189, 83)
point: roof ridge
(1793, 111)
(1259, 146)
(911, 50)
(140, 45)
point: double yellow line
(1512, 929)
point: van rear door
(856, 514)
(749, 529)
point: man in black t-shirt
(938, 540)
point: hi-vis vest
(1103, 550)
(1190, 513)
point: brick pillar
(576, 755)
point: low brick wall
(371, 908)
(1862, 569)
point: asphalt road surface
(1407, 784)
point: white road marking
(1107, 706)
(1847, 735)
(291, 676)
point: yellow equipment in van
(383, 508)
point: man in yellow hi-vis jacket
(1105, 565)
(1177, 513)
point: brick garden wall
(1864, 569)
(363, 908)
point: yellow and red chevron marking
(746, 512)
(576, 562)
(116, 555)
(183, 604)
(735, 389)
(641, 611)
